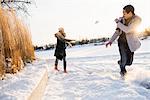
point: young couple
(128, 41)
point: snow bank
(26, 84)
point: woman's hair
(61, 30)
(129, 8)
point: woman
(60, 51)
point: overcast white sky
(78, 18)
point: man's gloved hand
(118, 19)
(109, 43)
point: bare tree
(17, 4)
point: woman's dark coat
(60, 49)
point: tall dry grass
(2, 56)
(15, 40)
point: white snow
(93, 74)
(20, 86)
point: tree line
(98, 41)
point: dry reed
(15, 40)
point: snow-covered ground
(93, 74)
(20, 86)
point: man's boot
(123, 71)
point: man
(60, 52)
(128, 41)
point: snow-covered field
(21, 85)
(93, 74)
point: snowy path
(94, 81)
(94, 75)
